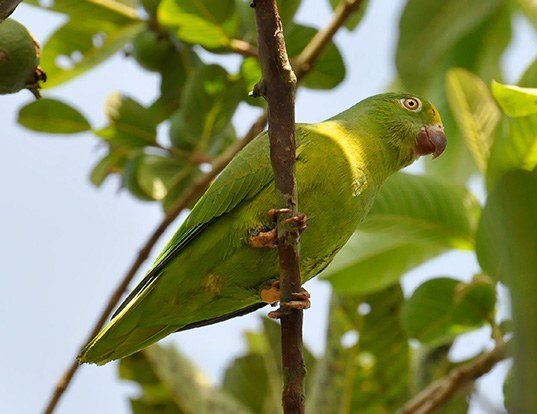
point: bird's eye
(412, 104)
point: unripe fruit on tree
(19, 59)
(152, 51)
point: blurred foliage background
(382, 348)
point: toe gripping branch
(269, 238)
(300, 300)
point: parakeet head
(408, 123)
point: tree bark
(278, 88)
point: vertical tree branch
(278, 87)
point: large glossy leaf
(487, 42)
(506, 238)
(52, 116)
(130, 123)
(171, 382)
(515, 101)
(205, 22)
(366, 364)
(515, 144)
(507, 248)
(208, 103)
(413, 219)
(441, 25)
(329, 71)
(475, 112)
(442, 308)
(81, 44)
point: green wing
(245, 176)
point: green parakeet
(211, 271)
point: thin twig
(439, 392)
(307, 63)
(188, 197)
(243, 48)
(307, 58)
(278, 87)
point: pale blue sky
(65, 244)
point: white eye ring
(411, 104)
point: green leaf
(506, 248)
(329, 70)
(441, 25)
(515, 144)
(112, 162)
(105, 10)
(506, 239)
(435, 313)
(287, 10)
(52, 116)
(204, 22)
(81, 44)
(209, 100)
(370, 375)
(514, 100)
(150, 177)
(474, 302)
(238, 381)
(173, 79)
(131, 124)
(413, 219)
(171, 382)
(475, 112)
(356, 17)
(488, 41)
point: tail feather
(106, 347)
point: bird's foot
(265, 239)
(301, 300)
(269, 238)
(299, 221)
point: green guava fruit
(152, 51)
(19, 59)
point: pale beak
(431, 140)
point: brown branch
(316, 46)
(278, 88)
(7, 7)
(307, 58)
(243, 48)
(188, 197)
(439, 392)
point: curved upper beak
(431, 140)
